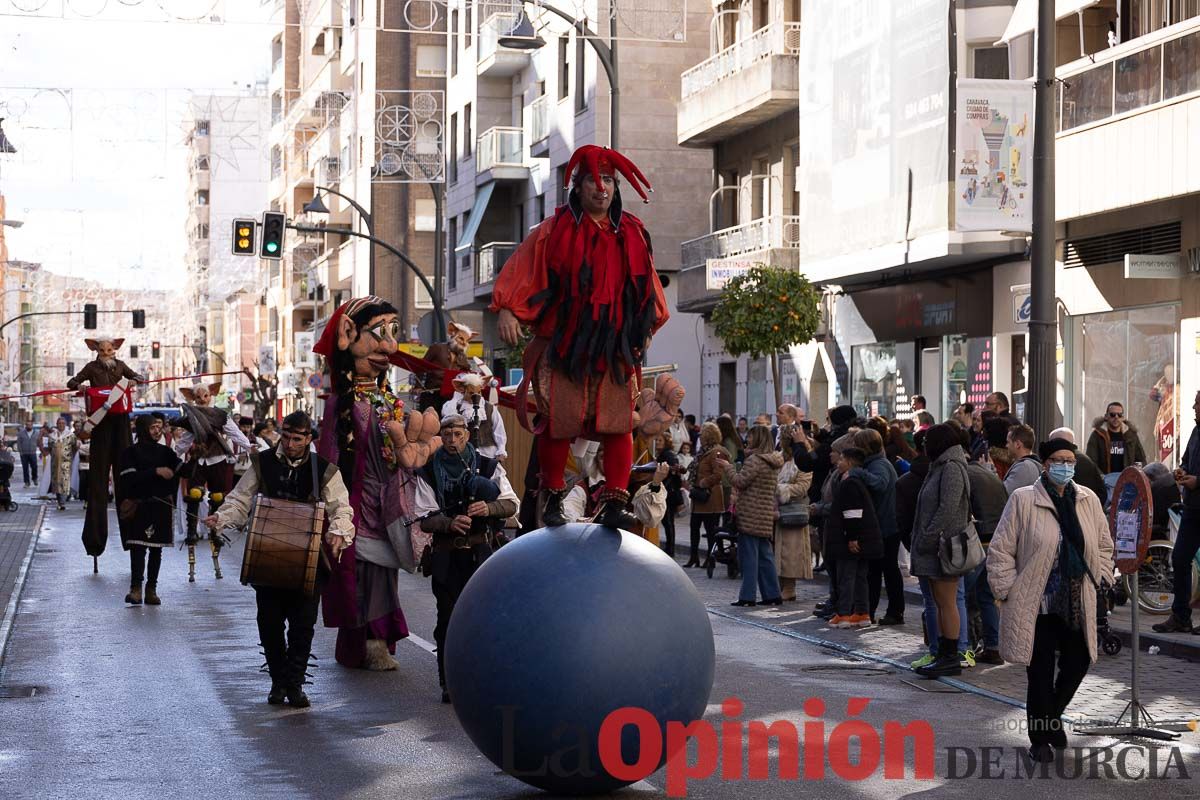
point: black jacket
(852, 518)
(1089, 475)
(908, 488)
(988, 498)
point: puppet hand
(659, 405)
(420, 439)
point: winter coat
(879, 476)
(1025, 471)
(1024, 550)
(793, 553)
(988, 498)
(1191, 466)
(756, 484)
(1099, 444)
(709, 475)
(852, 518)
(943, 507)
(908, 487)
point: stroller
(6, 499)
(722, 549)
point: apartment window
(560, 184)
(468, 135)
(202, 197)
(276, 107)
(729, 200)
(452, 43)
(454, 148)
(541, 212)
(541, 88)
(790, 178)
(989, 62)
(580, 93)
(202, 163)
(564, 67)
(202, 230)
(431, 61)
(425, 218)
(452, 261)
(421, 298)
(520, 226)
(202, 127)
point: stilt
(191, 563)
(95, 565)
(216, 554)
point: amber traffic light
(243, 237)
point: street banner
(994, 156)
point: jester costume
(588, 289)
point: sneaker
(839, 621)
(888, 619)
(1173, 625)
(923, 661)
(825, 614)
(860, 621)
(966, 658)
(989, 656)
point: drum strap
(316, 483)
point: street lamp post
(1043, 317)
(523, 37)
(317, 206)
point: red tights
(617, 460)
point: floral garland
(387, 407)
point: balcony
(746, 84)
(708, 262)
(500, 156)
(489, 259)
(1135, 111)
(539, 127)
(496, 61)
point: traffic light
(155, 350)
(139, 318)
(133, 351)
(70, 369)
(89, 316)
(243, 237)
(272, 234)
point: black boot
(276, 696)
(297, 666)
(946, 664)
(552, 515)
(612, 510)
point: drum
(283, 544)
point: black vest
(278, 479)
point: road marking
(428, 647)
(10, 612)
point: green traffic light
(272, 247)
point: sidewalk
(18, 537)
(1167, 685)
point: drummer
(285, 473)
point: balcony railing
(1141, 73)
(539, 118)
(490, 259)
(490, 31)
(500, 147)
(761, 234)
(776, 39)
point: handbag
(793, 515)
(700, 494)
(960, 552)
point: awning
(482, 195)
(1024, 16)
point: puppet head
(458, 337)
(199, 394)
(362, 334)
(468, 384)
(105, 347)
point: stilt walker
(109, 395)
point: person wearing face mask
(1050, 549)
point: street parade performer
(376, 447)
(452, 357)
(208, 441)
(109, 400)
(485, 426)
(286, 472)
(147, 483)
(462, 499)
(63, 445)
(585, 281)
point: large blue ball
(560, 628)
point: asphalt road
(141, 702)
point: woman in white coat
(1051, 546)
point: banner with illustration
(993, 167)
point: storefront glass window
(967, 366)
(873, 377)
(1129, 357)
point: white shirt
(232, 433)
(426, 497)
(649, 507)
(456, 405)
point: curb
(10, 613)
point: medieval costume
(462, 499)
(303, 476)
(147, 482)
(108, 393)
(62, 444)
(585, 281)
(208, 441)
(452, 357)
(484, 422)
(366, 432)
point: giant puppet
(584, 280)
(377, 446)
(109, 396)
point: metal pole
(1043, 322)
(368, 221)
(439, 258)
(1134, 704)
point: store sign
(994, 156)
(1147, 266)
(1022, 303)
(721, 271)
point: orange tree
(765, 311)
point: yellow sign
(474, 349)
